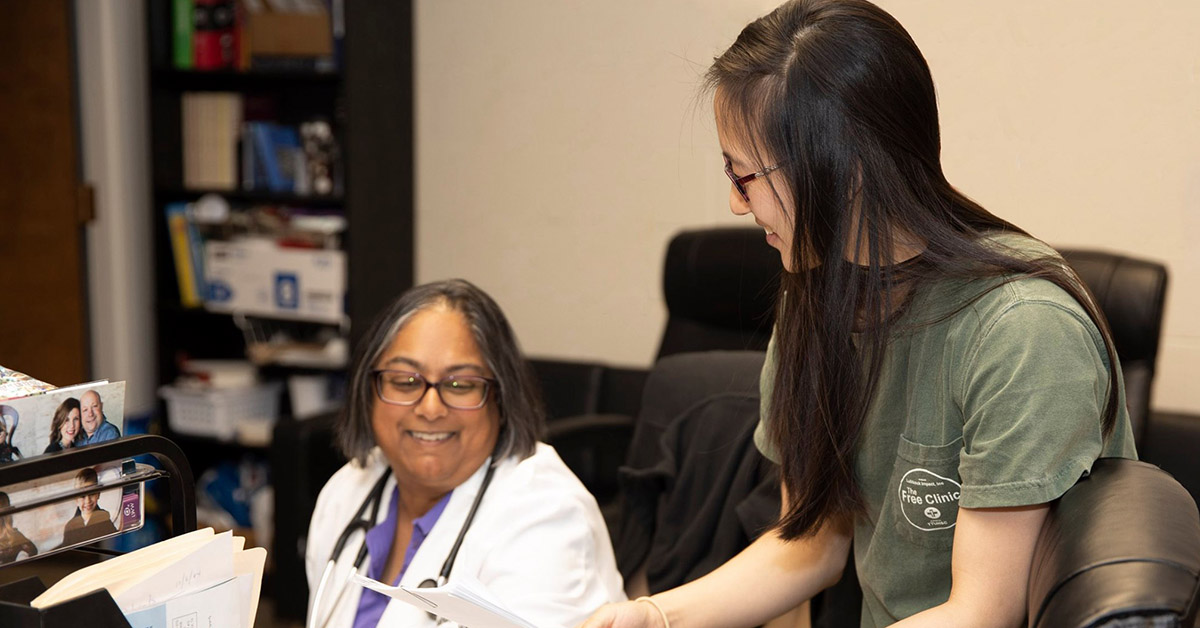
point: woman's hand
(624, 615)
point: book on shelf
(188, 252)
(181, 34)
(215, 35)
(301, 160)
(278, 156)
(211, 126)
(196, 579)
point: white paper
(219, 605)
(122, 569)
(248, 565)
(464, 601)
(204, 567)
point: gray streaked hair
(517, 395)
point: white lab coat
(538, 543)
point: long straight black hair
(838, 94)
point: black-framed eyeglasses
(740, 182)
(405, 388)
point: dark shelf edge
(228, 80)
(171, 194)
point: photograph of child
(62, 517)
(91, 522)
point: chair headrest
(1131, 293)
(724, 279)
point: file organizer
(96, 608)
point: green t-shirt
(999, 405)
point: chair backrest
(1120, 548)
(696, 491)
(690, 463)
(1131, 292)
(720, 286)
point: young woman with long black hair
(936, 377)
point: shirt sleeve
(1033, 394)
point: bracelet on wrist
(661, 612)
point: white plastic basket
(221, 413)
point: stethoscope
(373, 502)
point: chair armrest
(1123, 542)
(593, 446)
(569, 388)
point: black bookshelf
(369, 102)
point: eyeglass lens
(737, 184)
(463, 392)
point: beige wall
(561, 143)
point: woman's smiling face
(766, 202)
(430, 446)
(70, 427)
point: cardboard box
(291, 34)
(258, 277)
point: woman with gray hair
(446, 477)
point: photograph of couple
(61, 419)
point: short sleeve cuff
(763, 442)
(1026, 492)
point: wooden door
(43, 308)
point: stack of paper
(199, 579)
(464, 600)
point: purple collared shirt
(379, 541)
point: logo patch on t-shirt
(929, 501)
